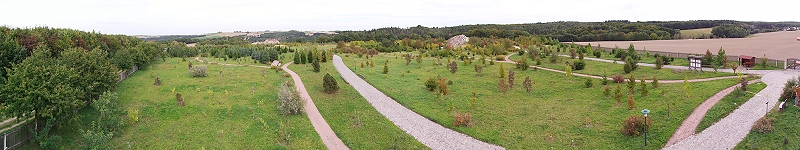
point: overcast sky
(160, 17)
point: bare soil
(776, 45)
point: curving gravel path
(729, 131)
(689, 125)
(425, 131)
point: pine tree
(502, 71)
(329, 84)
(631, 103)
(644, 88)
(632, 83)
(386, 67)
(315, 65)
(502, 86)
(618, 94)
(297, 58)
(655, 82)
(527, 84)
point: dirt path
(424, 130)
(507, 60)
(689, 125)
(324, 130)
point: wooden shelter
(747, 61)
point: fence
(19, 133)
(777, 63)
(124, 74)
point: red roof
(746, 57)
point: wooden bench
(782, 106)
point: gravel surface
(425, 131)
(729, 131)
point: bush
(579, 65)
(618, 78)
(315, 65)
(289, 102)
(441, 86)
(659, 63)
(788, 89)
(500, 58)
(329, 84)
(462, 119)
(522, 64)
(588, 83)
(432, 83)
(763, 125)
(606, 91)
(598, 53)
(633, 126)
(96, 137)
(628, 68)
(198, 71)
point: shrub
(788, 89)
(462, 119)
(606, 91)
(618, 78)
(763, 125)
(315, 65)
(499, 58)
(287, 75)
(502, 71)
(198, 71)
(764, 61)
(473, 100)
(628, 68)
(511, 78)
(431, 83)
(633, 126)
(289, 102)
(386, 67)
(655, 82)
(521, 52)
(96, 137)
(528, 84)
(659, 63)
(618, 94)
(502, 86)
(632, 83)
(598, 53)
(441, 86)
(522, 64)
(478, 68)
(743, 83)
(579, 65)
(631, 103)
(572, 53)
(452, 67)
(588, 83)
(329, 84)
(644, 88)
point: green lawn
(353, 119)
(219, 113)
(560, 107)
(786, 126)
(645, 59)
(729, 103)
(642, 72)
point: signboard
(695, 62)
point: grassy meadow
(785, 126)
(729, 103)
(559, 112)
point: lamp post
(645, 112)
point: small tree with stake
(527, 84)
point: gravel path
(648, 81)
(729, 131)
(689, 125)
(425, 131)
(324, 130)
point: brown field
(776, 45)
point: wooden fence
(19, 133)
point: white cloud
(205, 16)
